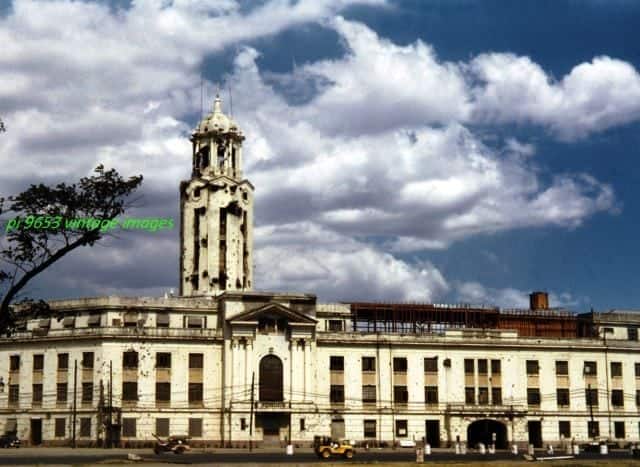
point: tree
(29, 248)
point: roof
(217, 121)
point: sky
(425, 151)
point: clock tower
(216, 211)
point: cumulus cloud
(476, 293)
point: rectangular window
(590, 368)
(638, 397)
(401, 428)
(496, 396)
(593, 428)
(337, 394)
(431, 394)
(61, 393)
(482, 367)
(616, 369)
(564, 427)
(14, 363)
(194, 322)
(60, 429)
(562, 367)
(37, 394)
(369, 428)
(85, 427)
(87, 360)
(302, 425)
(400, 365)
(196, 361)
(469, 395)
(591, 397)
(533, 396)
(632, 334)
(243, 424)
(195, 427)
(495, 367)
(637, 370)
(87, 393)
(63, 361)
(195, 393)
(468, 366)
(532, 367)
(129, 427)
(336, 363)
(130, 360)
(162, 321)
(562, 397)
(162, 426)
(335, 325)
(618, 428)
(129, 391)
(368, 363)
(400, 395)
(431, 365)
(163, 360)
(94, 320)
(617, 398)
(163, 392)
(369, 394)
(38, 362)
(14, 394)
(483, 396)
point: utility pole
(591, 410)
(75, 398)
(253, 378)
(109, 427)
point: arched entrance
(270, 379)
(481, 431)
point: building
(229, 366)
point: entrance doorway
(535, 433)
(337, 428)
(482, 431)
(36, 431)
(274, 427)
(432, 432)
(271, 379)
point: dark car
(9, 440)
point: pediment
(274, 311)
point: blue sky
(421, 150)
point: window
(37, 394)
(562, 367)
(194, 322)
(400, 365)
(195, 361)
(616, 369)
(369, 394)
(431, 394)
(470, 395)
(368, 363)
(87, 360)
(533, 396)
(94, 320)
(129, 391)
(369, 428)
(61, 393)
(637, 370)
(482, 367)
(38, 362)
(496, 396)
(593, 428)
(638, 397)
(163, 392)
(468, 366)
(60, 430)
(163, 360)
(591, 396)
(400, 395)
(335, 325)
(87, 393)
(483, 396)
(130, 360)
(632, 334)
(195, 427)
(336, 363)
(131, 319)
(243, 424)
(401, 428)
(562, 397)
(590, 368)
(162, 426)
(14, 394)
(11, 426)
(495, 367)
(564, 428)
(195, 393)
(302, 426)
(14, 363)
(129, 427)
(336, 394)
(85, 427)
(532, 367)
(618, 429)
(617, 398)
(162, 321)
(431, 365)
(63, 361)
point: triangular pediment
(273, 310)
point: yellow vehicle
(325, 447)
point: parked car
(325, 447)
(178, 444)
(9, 440)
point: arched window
(271, 379)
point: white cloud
(477, 294)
